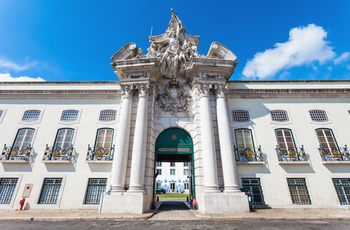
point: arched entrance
(175, 145)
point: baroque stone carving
(174, 99)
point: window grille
(298, 191)
(172, 171)
(108, 115)
(254, 186)
(64, 138)
(185, 171)
(31, 115)
(69, 115)
(50, 190)
(285, 139)
(318, 115)
(326, 140)
(96, 186)
(244, 139)
(159, 171)
(240, 115)
(279, 115)
(342, 187)
(7, 187)
(104, 139)
(23, 139)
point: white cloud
(8, 77)
(304, 46)
(8, 65)
(343, 58)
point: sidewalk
(260, 214)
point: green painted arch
(174, 141)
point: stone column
(208, 145)
(122, 141)
(226, 145)
(138, 162)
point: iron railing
(59, 154)
(334, 154)
(15, 154)
(249, 155)
(100, 154)
(291, 154)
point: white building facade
(95, 145)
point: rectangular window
(104, 138)
(240, 116)
(31, 115)
(69, 115)
(96, 186)
(254, 187)
(185, 171)
(50, 190)
(318, 115)
(23, 139)
(7, 187)
(185, 164)
(172, 171)
(64, 139)
(108, 115)
(298, 191)
(342, 187)
(172, 164)
(159, 164)
(159, 171)
(279, 115)
(186, 186)
(158, 185)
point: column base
(128, 203)
(223, 203)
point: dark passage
(172, 205)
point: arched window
(327, 140)
(244, 139)
(104, 139)
(285, 140)
(64, 138)
(23, 138)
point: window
(158, 185)
(50, 190)
(172, 164)
(31, 115)
(64, 139)
(1, 114)
(7, 187)
(23, 139)
(186, 185)
(69, 115)
(254, 186)
(240, 115)
(326, 140)
(159, 171)
(159, 163)
(318, 115)
(298, 191)
(279, 115)
(285, 139)
(96, 186)
(104, 139)
(244, 139)
(172, 171)
(342, 187)
(108, 115)
(185, 171)
(185, 164)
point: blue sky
(73, 40)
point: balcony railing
(59, 154)
(291, 154)
(100, 154)
(334, 154)
(9, 154)
(249, 155)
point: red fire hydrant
(21, 203)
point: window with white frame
(172, 164)
(50, 191)
(186, 185)
(185, 164)
(94, 190)
(64, 138)
(23, 139)
(285, 139)
(185, 171)
(279, 115)
(69, 115)
(318, 115)
(327, 140)
(298, 191)
(31, 115)
(159, 164)
(342, 187)
(108, 115)
(7, 188)
(159, 171)
(172, 171)
(104, 138)
(240, 116)
(244, 139)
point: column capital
(220, 90)
(143, 89)
(203, 89)
(127, 90)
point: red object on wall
(21, 203)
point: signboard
(174, 141)
(27, 190)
